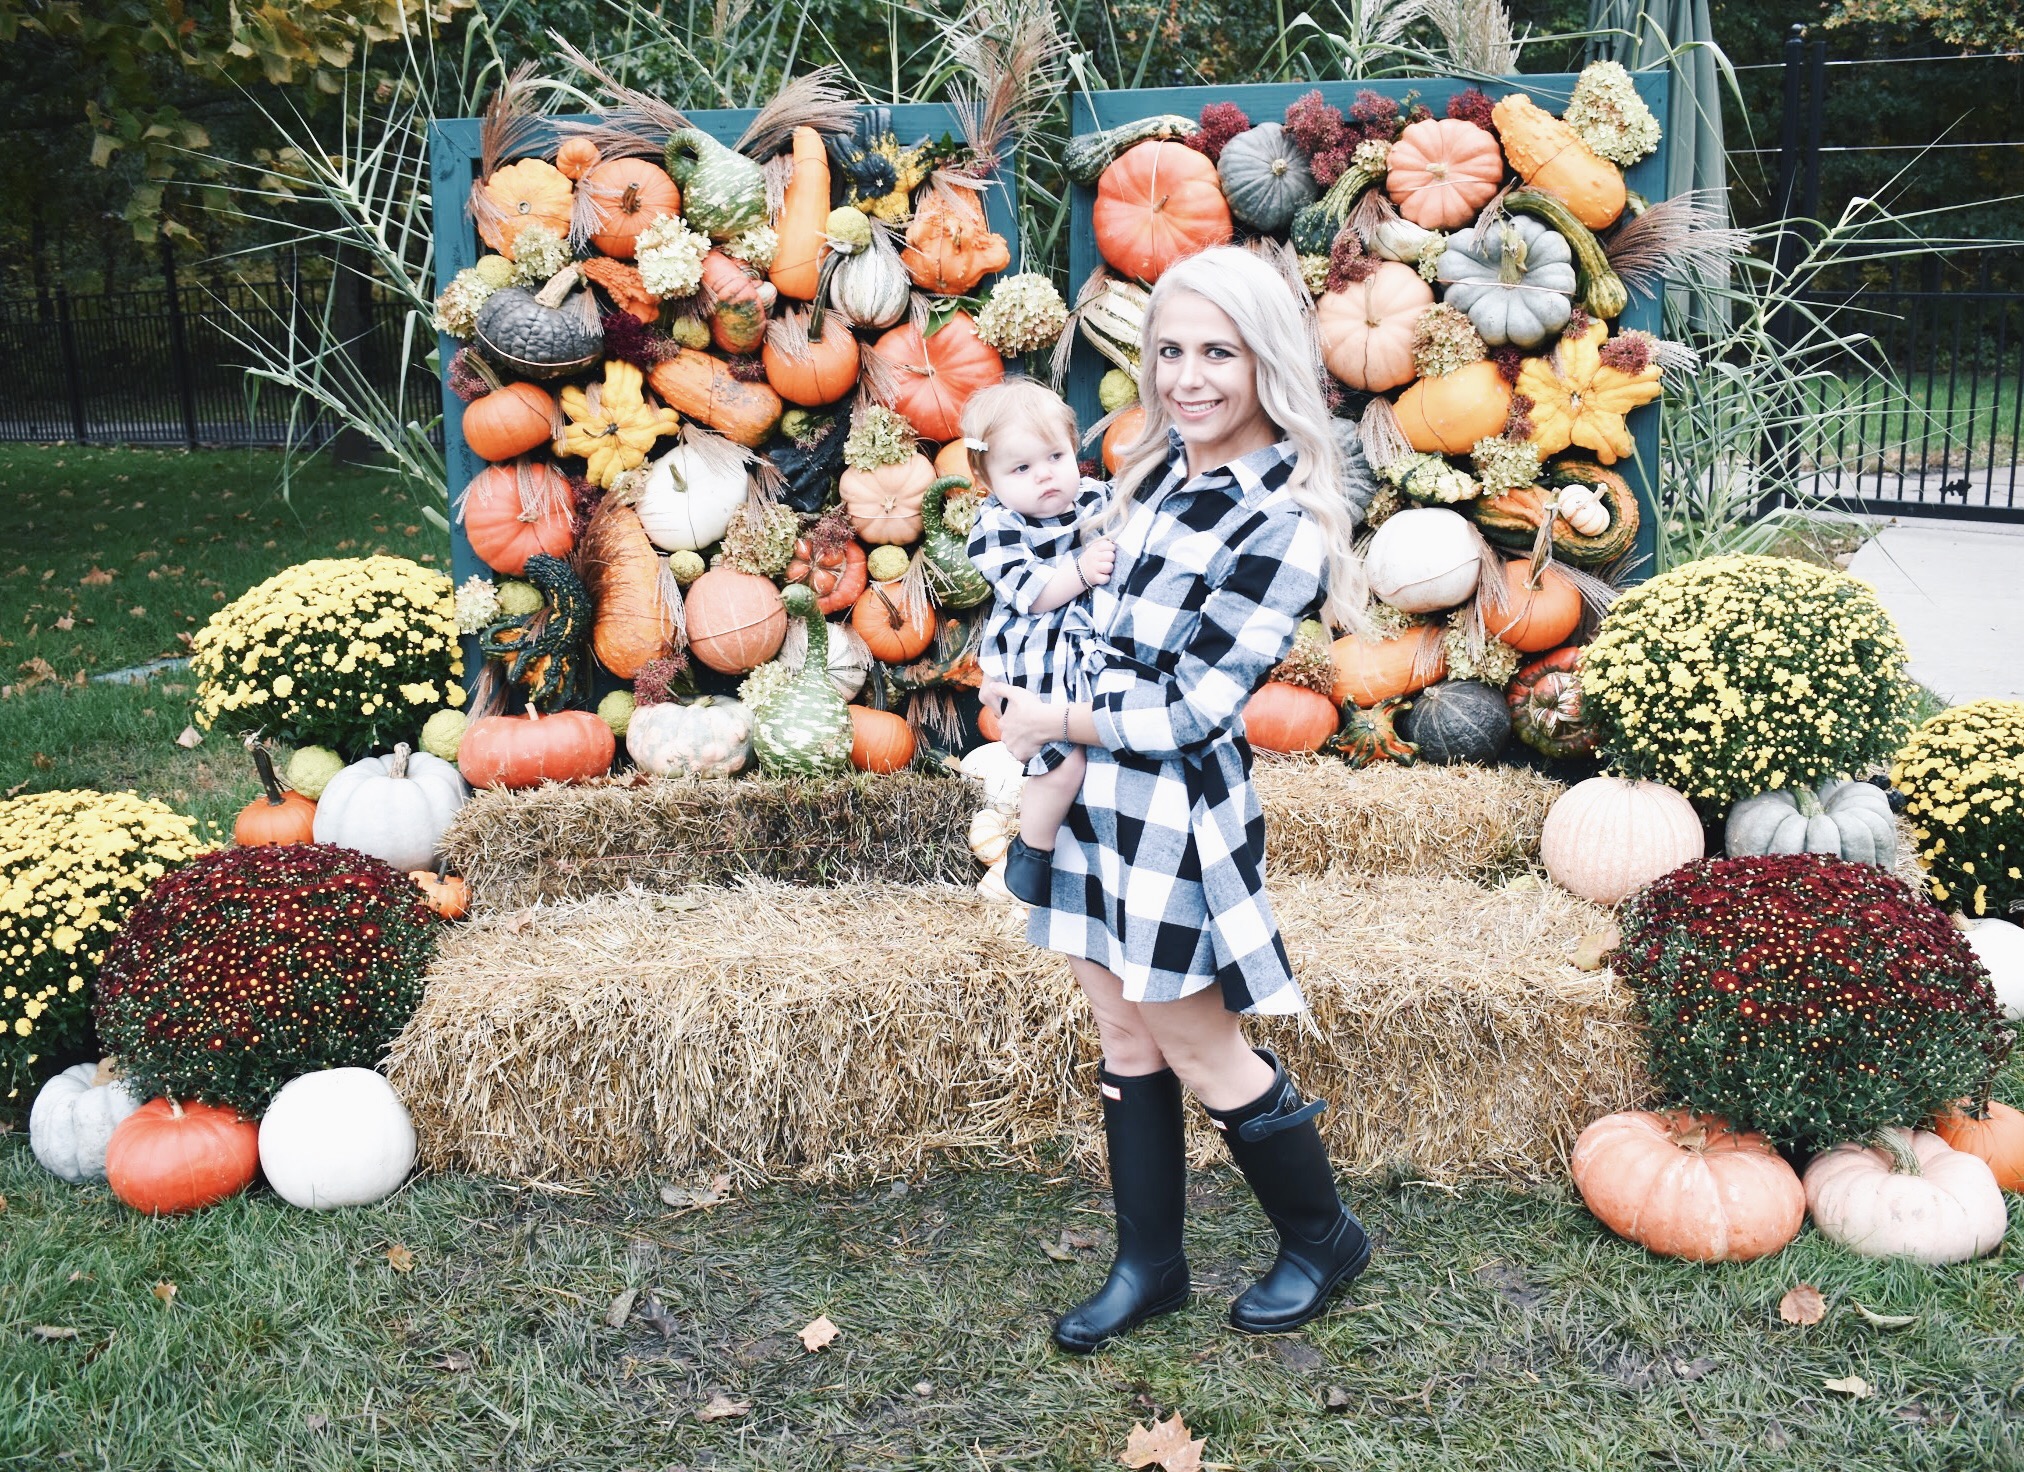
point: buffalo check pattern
(1039, 652)
(1159, 874)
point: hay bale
(850, 1033)
(667, 834)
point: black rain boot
(1321, 1246)
(1029, 873)
(1142, 1131)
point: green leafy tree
(1973, 25)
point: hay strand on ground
(855, 1032)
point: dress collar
(1248, 478)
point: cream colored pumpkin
(1367, 327)
(707, 737)
(74, 1115)
(1003, 774)
(1582, 508)
(1910, 1195)
(991, 833)
(1999, 945)
(690, 495)
(1424, 559)
(1606, 837)
(337, 1137)
(394, 807)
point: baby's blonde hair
(992, 410)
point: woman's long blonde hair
(1280, 336)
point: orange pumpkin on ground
(938, 374)
(892, 632)
(511, 420)
(529, 749)
(1367, 328)
(169, 1157)
(1686, 1185)
(880, 741)
(1537, 616)
(1123, 433)
(1447, 415)
(628, 194)
(1441, 171)
(276, 817)
(701, 387)
(1156, 203)
(736, 620)
(512, 511)
(810, 370)
(1998, 1140)
(950, 245)
(1369, 671)
(1285, 717)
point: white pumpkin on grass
(340, 1137)
(690, 494)
(1911, 1194)
(394, 807)
(74, 1116)
(1003, 774)
(1850, 820)
(707, 737)
(1999, 946)
(1607, 836)
(1424, 559)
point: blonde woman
(1231, 527)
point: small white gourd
(1582, 508)
(991, 833)
(707, 737)
(1424, 559)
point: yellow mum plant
(72, 864)
(344, 652)
(1736, 675)
(1962, 774)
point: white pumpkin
(1003, 774)
(707, 737)
(690, 495)
(991, 832)
(992, 886)
(1606, 837)
(1424, 559)
(340, 1137)
(1850, 820)
(1399, 239)
(2000, 946)
(1582, 508)
(74, 1116)
(394, 807)
(872, 287)
(849, 655)
(1911, 1195)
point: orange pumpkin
(1367, 328)
(1123, 433)
(736, 620)
(738, 302)
(529, 749)
(836, 575)
(1686, 1185)
(892, 632)
(1441, 171)
(1998, 1140)
(1156, 203)
(700, 387)
(938, 374)
(806, 369)
(168, 1156)
(509, 421)
(628, 194)
(1369, 671)
(530, 192)
(884, 504)
(1447, 415)
(447, 894)
(953, 459)
(987, 722)
(1538, 615)
(512, 511)
(1287, 717)
(276, 817)
(804, 209)
(576, 157)
(879, 740)
(950, 245)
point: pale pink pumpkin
(1367, 327)
(1686, 1185)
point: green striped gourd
(1602, 292)
(805, 730)
(723, 192)
(1090, 154)
(953, 579)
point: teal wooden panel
(1093, 112)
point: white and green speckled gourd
(805, 731)
(723, 192)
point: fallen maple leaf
(66, 623)
(1592, 950)
(166, 1292)
(1852, 1386)
(42, 762)
(456, 1361)
(400, 1259)
(98, 577)
(818, 1334)
(685, 1198)
(1165, 1444)
(721, 1407)
(1802, 1305)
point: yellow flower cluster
(344, 652)
(1962, 774)
(71, 865)
(1736, 675)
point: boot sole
(1169, 1305)
(1339, 1278)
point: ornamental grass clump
(253, 965)
(1735, 675)
(1808, 997)
(1962, 774)
(72, 864)
(344, 652)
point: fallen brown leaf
(1852, 1386)
(687, 1198)
(191, 738)
(17, 789)
(819, 1333)
(1337, 1399)
(1695, 1369)
(1165, 1444)
(98, 577)
(720, 1407)
(1591, 952)
(66, 623)
(1802, 1305)
(400, 1259)
(1080, 1241)
(656, 1317)
(138, 611)
(166, 1292)
(42, 762)
(1060, 1251)
(456, 1361)
(315, 1423)
(621, 1308)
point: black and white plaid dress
(1039, 652)
(1159, 873)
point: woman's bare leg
(1128, 1046)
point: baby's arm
(1076, 575)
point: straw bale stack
(852, 1032)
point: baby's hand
(1097, 561)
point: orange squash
(1287, 717)
(879, 740)
(702, 388)
(1442, 171)
(1538, 615)
(1549, 155)
(530, 192)
(836, 575)
(884, 503)
(1450, 413)
(1686, 1185)
(529, 749)
(950, 245)
(1156, 203)
(630, 587)
(892, 632)
(1998, 1140)
(624, 285)
(1367, 328)
(797, 257)
(806, 369)
(511, 420)
(1369, 671)
(512, 511)
(628, 194)
(1123, 433)
(738, 302)
(938, 374)
(447, 894)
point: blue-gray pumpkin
(1458, 721)
(1265, 178)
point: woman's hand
(1025, 721)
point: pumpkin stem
(559, 286)
(397, 764)
(264, 765)
(1897, 1144)
(1809, 802)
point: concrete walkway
(1956, 589)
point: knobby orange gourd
(703, 388)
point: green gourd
(1516, 282)
(953, 579)
(723, 192)
(543, 648)
(1091, 153)
(1370, 735)
(804, 731)
(1602, 290)
(1315, 226)
(1265, 178)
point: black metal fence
(168, 366)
